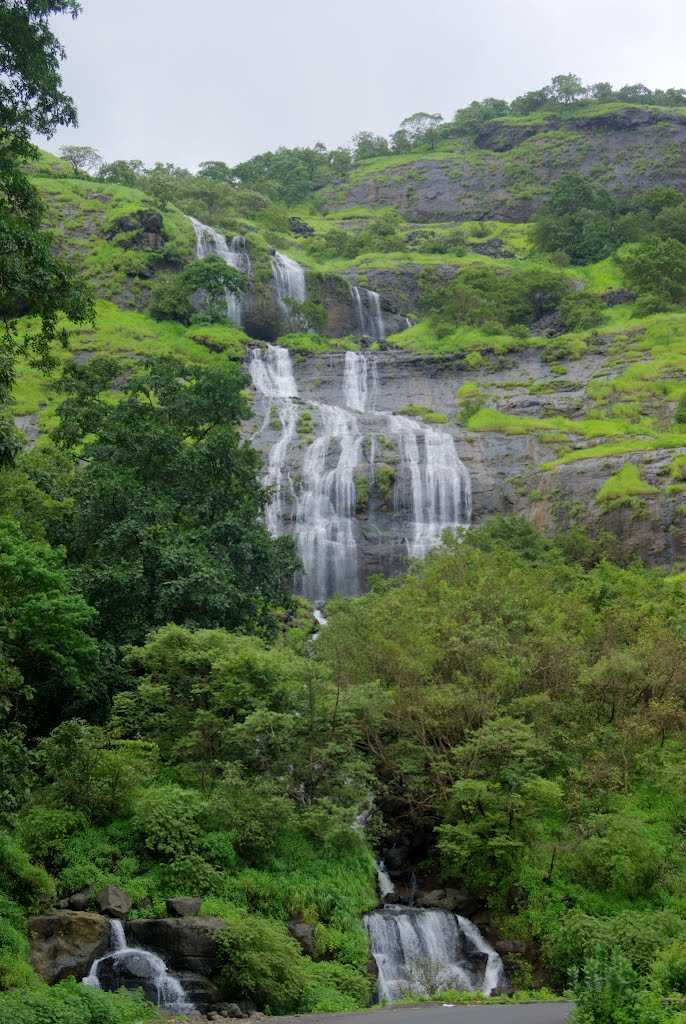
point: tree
(34, 282)
(82, 158)
(122, 172)
(567, 88)
(168, 520)
(176, 296)
(367, 145)
(31, 96)
(658, 266)
(601, 91)
(47, 651)
(216, 170)
(422, 128)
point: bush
(657, 266)
(21, 880)
(166, 819)
(73, 1003)
(45, 832)
(668, 974)
(261, 963)
(581, 310)
(638, 935)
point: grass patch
(623, 487)
(421, 412)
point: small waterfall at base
(370, 320)
(126, 967)
(209, 242)
(424, 951)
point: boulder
(142, 229)
(64, 943)
(114, 902)
(185, 943)
(184, 906)
(455, 900)
(507, 947)
(80, 900)
(303, 934)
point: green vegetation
(422, 413)
(624, 487)
(513, 703)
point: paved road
(524, 1013)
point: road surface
(522, 1013)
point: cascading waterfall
(368, 311)
(440, 493)
(424, 951)
(386, 887)
(209, 242)
(288, 280)
(355, 381)
(432, 490)
(272, 376)
(325, 527)
(127, 967)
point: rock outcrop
(64, 943)
(624, 150)
(185, 943)
(114, 902)
(510, 472)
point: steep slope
(506, 172)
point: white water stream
(128, 967)
(209, 242)
(314, 490)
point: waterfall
(386, 887)
(272, 376)
(325, 529)
(317, 505)
(127, 967)
(494, 975)
(424, 951)
(209, 242)
(288, 280)
(370, 319)
(439, 484)
(355, 381)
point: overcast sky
(192, 80)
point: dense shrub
(73, 1003)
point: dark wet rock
(303, 933)
(618, 296)
(204, 995)
(456, 900)
(79, 900)
(143, 229)
(299, 227)
(508, 947)
(64, 943)
(114, 902)
(185, 943)
(184, 906)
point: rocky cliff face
(373, 454)
(506, 174)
